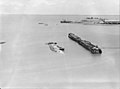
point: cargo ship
(94, 49)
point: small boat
(2, 42)
(66, 21)
(94, 49)
(56, 48)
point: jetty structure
(111, 22)
(87, 20)
(93, 20)
(94, 49)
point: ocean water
(26, 62)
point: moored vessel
(94, 49)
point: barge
(94, 49)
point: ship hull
(86, 44)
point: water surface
(25, 60)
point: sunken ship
(94, 49)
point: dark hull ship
(94, 49)
(65, 21)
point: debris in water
(54, 47)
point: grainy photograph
(59, 44)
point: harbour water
(26, 62)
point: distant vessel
(2, 42)
(54, 47)
(94, 49)
(66, 21)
